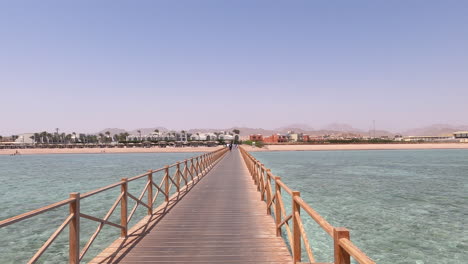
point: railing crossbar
(100, 226)
(51, 239)
(30, 214)
(285, 221)
(305, 239)
(139, 199)
(99, 220)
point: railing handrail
(199, 166)
(34, 212)
(343, 246)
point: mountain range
(334, 128)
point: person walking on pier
(230, 146)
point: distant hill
(147, 131)
(334, 128)
(144, 131)
(341, 127)
(113, 131)
(244, 131)
(296, 128)
(435, 130)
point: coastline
(271, 148)
(266, 148)
(40, 151)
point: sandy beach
(359, 147)
(248, 148)
(107, 150)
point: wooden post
(177, 175)
(257, 168)
(150, 192)
(186, 172)
(268, 191)
(341, 256)
(208, 159)
(192, 169)
(202, 164)
(123, 207)
(262, 183)
(196, 168)
(296, 243)
(166, 184)
(277, 206)
(74, 227)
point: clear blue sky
(89, 65)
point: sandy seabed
(359, 147)
(107, 150)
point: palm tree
(101, 137)
(184, 134)
(236, 131)
(107, 136)
(43, 135)
(48, 137)
(37, 136)
(139, 134)
(82, 138)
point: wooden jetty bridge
(220, 207)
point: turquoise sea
(31, 181)
(402, 206)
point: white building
(226, 137)
(461, 135)
(428, 138)
(27, 138)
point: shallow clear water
(31, 181)
(401, 206)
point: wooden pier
(220, 207)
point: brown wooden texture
(221, 220)
(74, 232)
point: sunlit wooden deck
(220, 220)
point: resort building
(226, 137)
(27, 138)
(428, 138)
(257, 137)
(276, 139)
(295, 137)
(461, 135)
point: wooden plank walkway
(219, 220)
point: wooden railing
(271, 188)
(186, 172)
